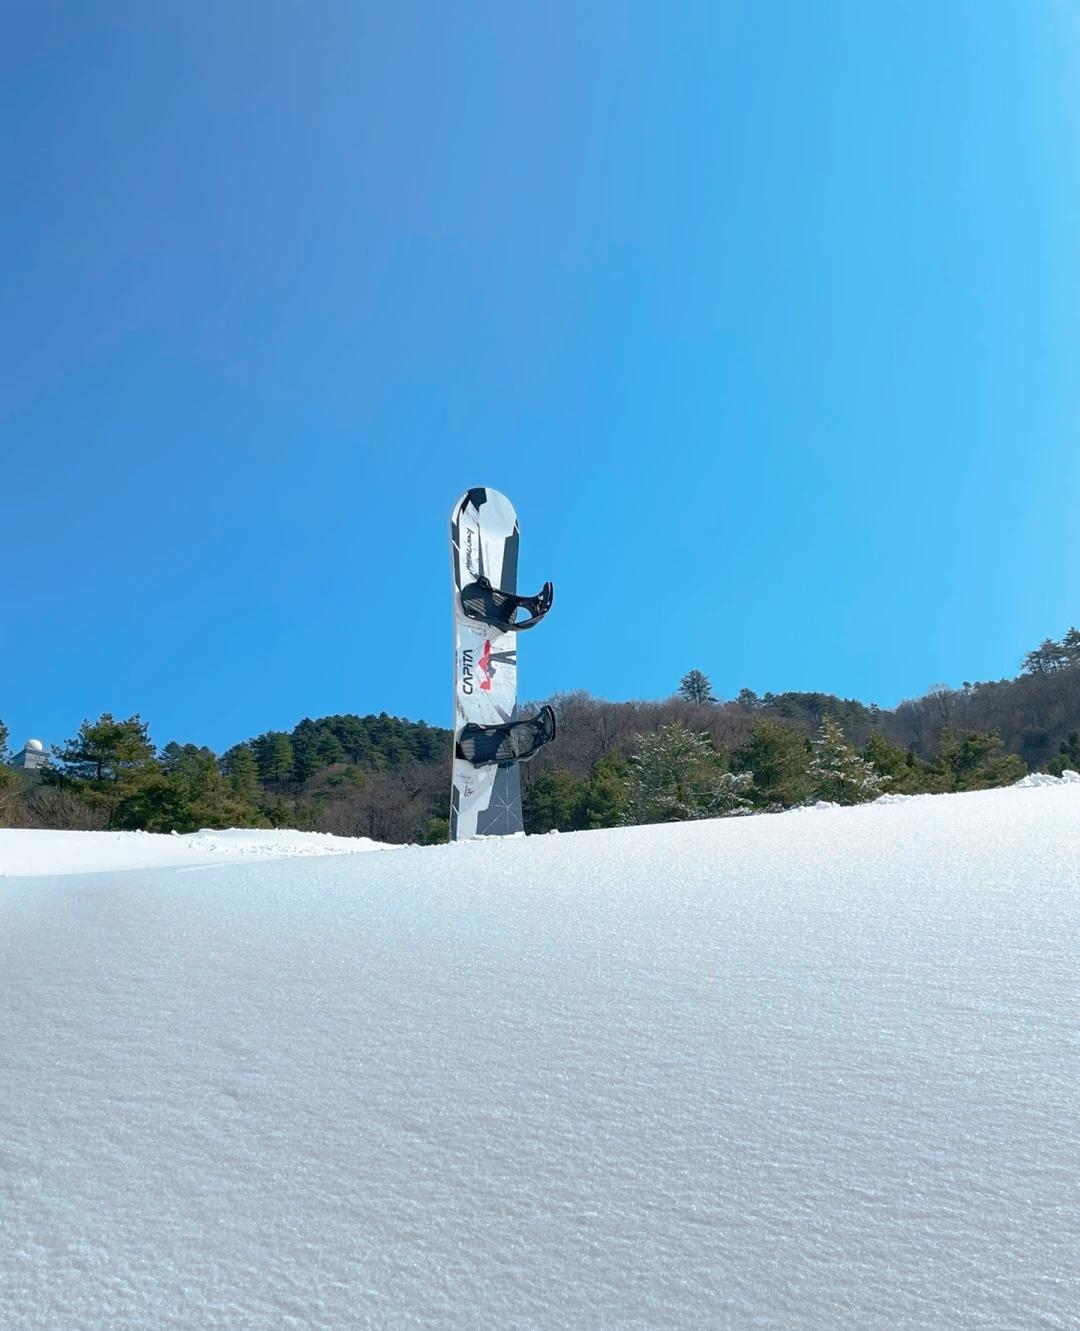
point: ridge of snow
(1036, 779)
(33, 852)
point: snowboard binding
(480, 600)
(515, 742)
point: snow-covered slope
(24, 852)
(817, 1070)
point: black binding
(516, 742)
(480, 600)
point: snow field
(811, 1070)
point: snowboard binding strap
(480, 600)
(515, 742)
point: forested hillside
(375, 776)
(689, 756)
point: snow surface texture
(801, 1071)
(24, 852)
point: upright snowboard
(489, 739)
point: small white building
(32, 757)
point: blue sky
(764, 315)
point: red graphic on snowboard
(486, 668)
(486, 664)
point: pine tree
(976, 761)
(901, 768)
(837, 773)
(887, 759)
(1047, 658)
(605, 791)
(190, 762)
(304, 740)
(553, 802)
(328, 748)
(239, 766)
(676, 774)
(315, 746)
(1067, 758)
(107, 749)
(157, 804)
(9, 785)
(274, 757)
(778, 758)
(695, 688)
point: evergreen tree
(605, 791)
(887, 759)
(730, 795)
(157, 804)
(837, 773)
(107, 749)
(437, 832)
(211, 802)
(304, 739)
(1047, 658)
(183, 802)
(902, 769)
(1068, 756)
(553, 801)
(695, 688)
(676, 774)
(748, 699)
(328, 748)
(274, 757)
(352, 734)
(976, 761)
(1070, 647)
(806, 711)
(778, 759)
(239, 766)
(10, 802)
(187, 761)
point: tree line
(690, 756)
(377, 776)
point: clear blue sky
(766, 316)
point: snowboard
(490, 740)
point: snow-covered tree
(728, 795)
(676, 774)
(838, 773)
